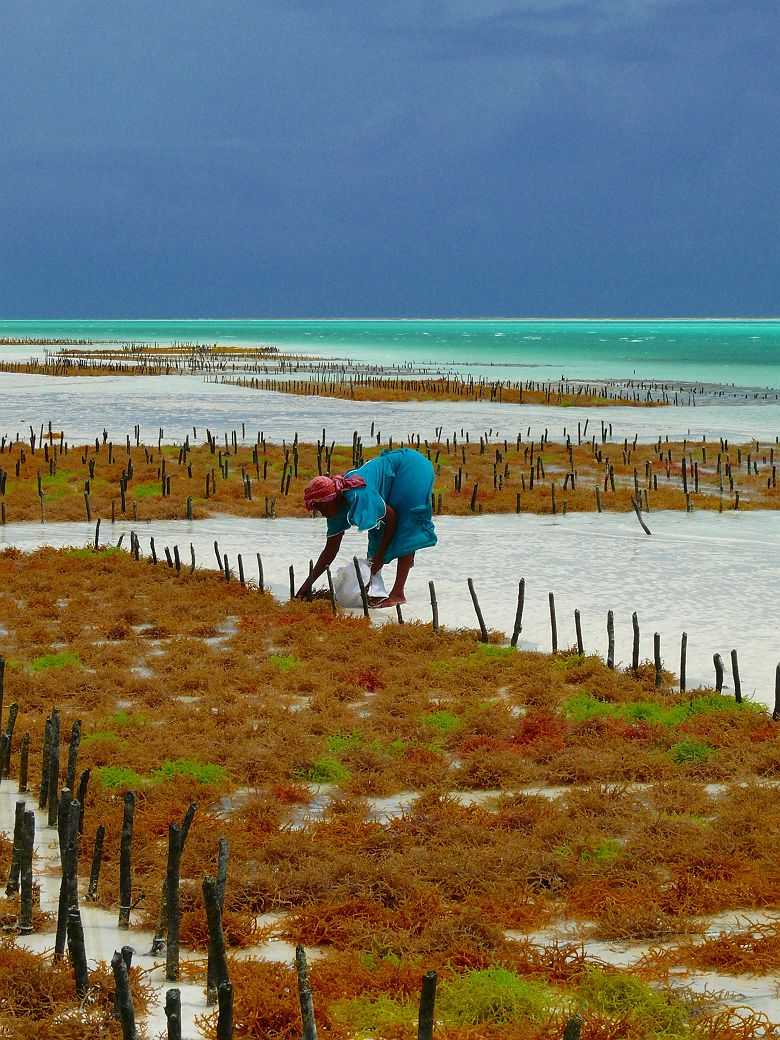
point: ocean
(728, 352)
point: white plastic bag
(346, 588)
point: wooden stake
(683, 657)
(518, 626)
(553, 622)
(735, 675)
(305, 995)
(477, 610)
(434, 606)
(426, 1017)
(610, 639)
(657, 657)
(635, 647)
(124, 998)
(125, 853)
(717, 660)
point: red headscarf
(325, 489)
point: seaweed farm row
(47, 479)
(549, 834)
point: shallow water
(713, 576)
(84, 407)
(742, 352)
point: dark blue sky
(389, 157)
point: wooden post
(331, 590)
(241, 581)
(216, 937)
(26, 873)
(12, 886)
(635, 647)
(610, 639)
(735, 675)
(97, 857)
(482, 627)
(638, 510)
(518, 626)
(361, 586)
(573, 1028)
(24, 761)
(683, 657)
(260, 582)
(124, 999)
(54, 768)
(305, 995)
(553, 622)
(225, 1001)
(717, 660)
(434, 606)
(125, 875)
(172, 876)
(657, 657)
(173, 1013)
(292, 582)
(776, 712)
(578, 632)
(426, 1017)
(75, 930)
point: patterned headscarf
(325, 489)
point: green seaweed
(324, 771)
(65, 660)
(200, 772)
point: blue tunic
(403, 479)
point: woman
(390, 497)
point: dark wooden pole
(172, 902)
(216, 937)
(97, 857)
(125, 853)
(173, 1013)
(635, 646)
(657, 658)
(434, 606)
(305, 995)
(518, 626)
(426, 1016)
(683, 660)
(717, 660)
(124, 998)
(578, 632)
(553, 622)
(225, 1004)
(610, 639)
(478, 611)
(361, 586)
(735, 675)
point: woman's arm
(326, 558)
(391, 523)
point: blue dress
(403, 479)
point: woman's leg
(405, 564)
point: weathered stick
(225, 1003)
(73, 750)
(717, 660)
(124, 998)
(212, 982)
(172, 877)
(518, 626)
(434, 606)
(12, 886)
(76, 951)
(173, 1013)
(478, 611)
(553, 622)
(125, 852)
(776, 712)
(735, 675)
(43, 792)
(54, 767)
(26, 873)
(331, 590)
(97, 857)
(635, 646)
(638, 511)
(216, 936)
(305, 995)
(578, 632)
(426, 1016)
(260, 582)
(24, 763)
(361, 586)
(683, 660)
(610, 639)
(657, 658)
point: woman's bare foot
(393, 600)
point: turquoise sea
(744, 353)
